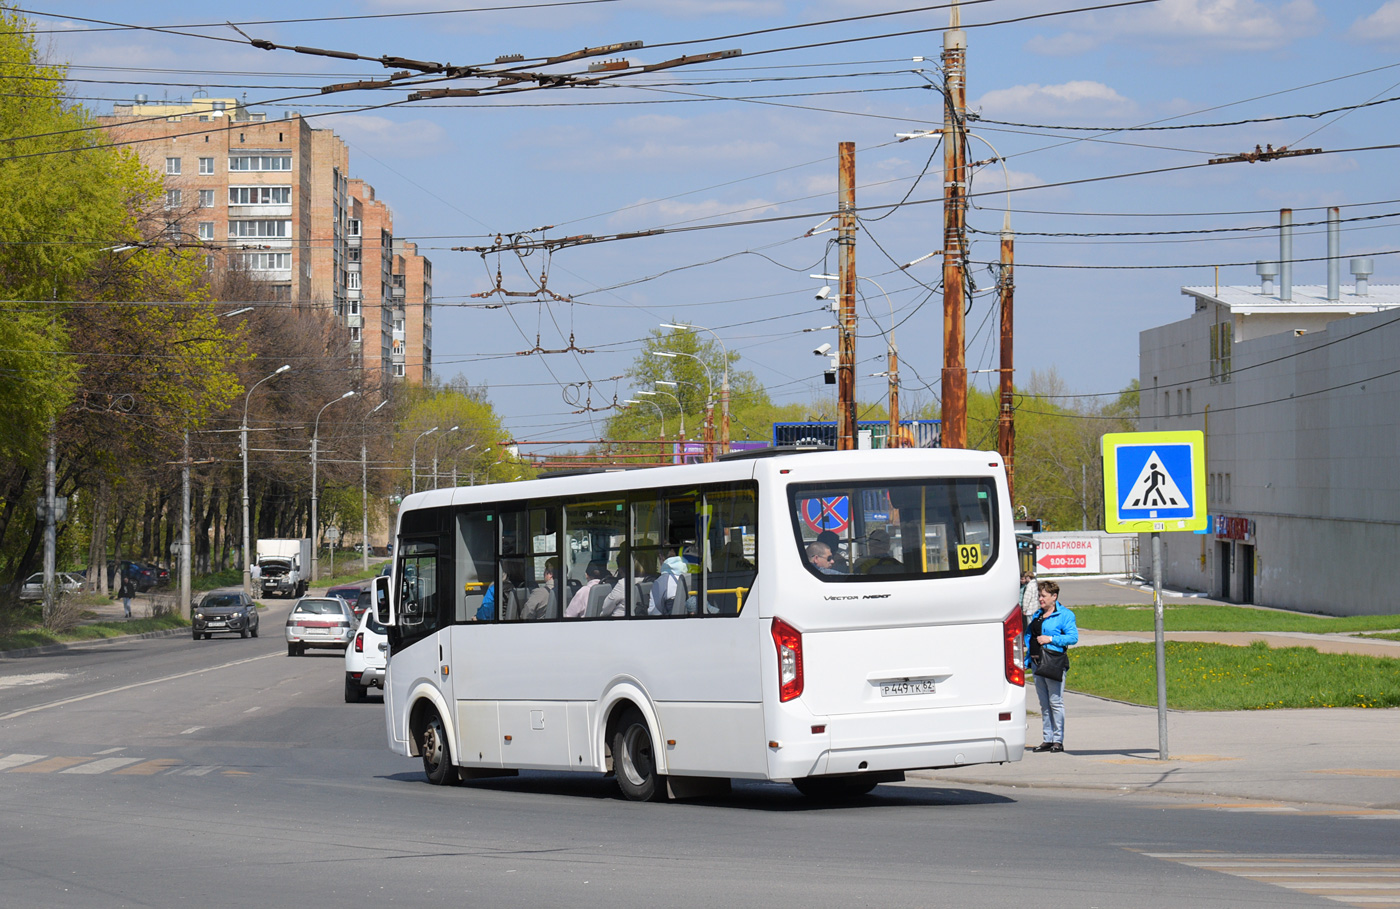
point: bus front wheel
(634, 759)
(437, 756)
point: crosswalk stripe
(101, 766)
(1344, 879)
(50, 765)
(14, 760)
(148, 768)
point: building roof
(1310, 298)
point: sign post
(1154, 482)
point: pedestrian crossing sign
(1154, 481)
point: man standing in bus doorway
(1049, 635)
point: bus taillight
(789, 642)
(1012, 631)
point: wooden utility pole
(846, 363)
(1006, 425)
(894, 440)
(954, 223)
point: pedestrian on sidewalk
(127, 591)
(1030, 596)
(1049, 635)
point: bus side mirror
(383, 602)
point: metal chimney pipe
(1266, 271)
(1285, 254)
(1361, 269)
(1334, 251)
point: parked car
(225, 613)
(350, 593)
(319, 622)
(162, 575)
(366, 658)
(33, 588)
(143, 576)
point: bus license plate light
(894, 688)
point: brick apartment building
(278, 194)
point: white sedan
(33, 588)
(322, 622)
(366, 658)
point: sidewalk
(1348, 758)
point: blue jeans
(1052, 708)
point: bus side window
(731, 548)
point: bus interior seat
(467, 609)
(596, 596)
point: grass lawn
(1221, 677)
(24, 627)
(1206, 617)
(1388, 636)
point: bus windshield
(892, 530)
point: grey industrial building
(1297, 389)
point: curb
(80, 645)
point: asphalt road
(171, 772)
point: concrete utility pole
(846, 362)
(185, 548)
(954, 229)
(1006, 422)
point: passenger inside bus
(597, 575)
(878, 559)
(820, 558)
(542, 600)
(833, 542)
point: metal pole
(954, 387)
(1159, 632)
(50, 524)
(243, 439)
(185, 530)
(364, 505)
(1006, 418)
(846, 362)
(315, 518)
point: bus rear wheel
(437, 756)
(634, 759)
(834, 788)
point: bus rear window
(895, 529)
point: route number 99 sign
(969, 557)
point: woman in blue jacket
(1052, 628)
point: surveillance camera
(824, 292)
(822, 350)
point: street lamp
(454, 463)
(315, 523)
(243, 436)
(485, 451)
(415, 454)
(709, 399)
(724, 388)
(437, 443)
(364, 489)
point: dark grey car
(225, 613)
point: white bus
(665, 625)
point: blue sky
(750, 140)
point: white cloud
(1191, 26)
(673, 211)
(1080, 99)
(1381, 26)
(383, 137)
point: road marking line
(112, 750)
(168, 678)
(200, 771)
(14, 760)
(253, 709)
(148, 768)
(1343, 879)
(102, 766)
(192, 729)
(51, 765)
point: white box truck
(285, 566)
